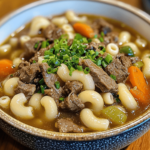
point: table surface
(6, 142)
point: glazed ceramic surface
(39, 139)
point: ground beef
(27, 89)
(29, 47)
(104, 82)
(72, 86)
(72, 103)
(66, 125)
(52, 32)
(116, 68)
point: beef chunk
(117, 69)
(104, 82)
(28, 73)
(126, 61)
(101, 25)
(135, 59)
(72, 86)
(49, 79)
(66, 125)
(111, 38)
(54, 93)
(95, 46)
(72, 103)
(23, 64)
(29, 47)
(27, 89)
(52, 32)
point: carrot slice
(144, 99)
(6, 68)
(137, 79)
(84, 29)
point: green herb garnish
(57, 84)
(113, 77)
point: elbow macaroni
(86, 79)
(16, 54)
(126, 97)
(67, 28)
(141, 43)
(5, 102)
(94, 98)
(124, 37)
(146, 54)
(59, 21)
(146, 67)
(5, 50)
(95, 40)
(16, 62)
(50, 106)
(37, 24)
(10, 86)
(14, 42)
(91, 121)
(112, 49)
(108, 98)
(35, 101)
(18, 109)
(23, 39)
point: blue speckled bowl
(39, 139)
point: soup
(75, 73)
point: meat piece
(72, 86)
(111, 38)
(28, 73)
(23, 64)
(95, 46)
(29, 47)
(135, 59)
(54, 93)
(104, 82)
(66, 125)
(72, 103)
(27, 89)
(49, 79)
(52, 32)
(117, 69)
(100, 25)
(126, 61)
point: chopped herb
(127, 50)
(102, 34)
(36, 45)
(11, 75)
(86, 70)
(71, 70)
(89, 40)
(43, 44)
(61, 99)
(104, 64)
(101, 39)
(49, 71)
(95, 36)
(41, 81)
(79, 68)
(34, 61)
(113, 77)
(57, 84)
(46, 57)
(98, 62)
(117, 99)
(42, 89)
(108, 59)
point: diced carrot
(144, 99)
(137, 79)
(6, 68)
(84, 29)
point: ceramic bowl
(39, 139)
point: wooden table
(7, 143)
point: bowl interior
(115, 10)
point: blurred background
(7, 6)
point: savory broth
(39, 116)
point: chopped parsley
(34, 61)
(36, 45)
(113, 77)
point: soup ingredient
(5, 50)
(127, 50)
(137, 79)
(126, 61)
(115, 115)
(84, 29)
(138, 64)
(6, 68)
(66, 125)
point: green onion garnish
(57, 84)
(101, 39)
(113, 77)
(95, 36)
(36, 45)
(49, 71)
(61, 99)
(89, 40)
(86, 70)
(108, 59)
(79, 68)
(11, 75)
(42, 89)
(41, 81)
(34, 61)
(98, 62)
(71, 70)
(102, 34)
(104, 64)
(127, 50)
(43, 44)
(139, 64)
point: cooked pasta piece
(59, 21)
(124, 37)
(5, 102)
(5, 50)
(112, 49)
(23, 39)
(108, 98)
(146, 67)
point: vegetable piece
(104, 64)
(108, 58)
(139, 64)
(61, 99)
(36, 45)
(136, 78)
(101, 39)
(115, 115)
(44, 44)
(113, 77)
(6, 68)
(86, 70)
(84, 29)
(57, 84)
(127, 50)
(34, 61)
(144, 99)
(42, 89)
(41, 81)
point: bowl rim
(77, 136)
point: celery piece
(115, 115)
